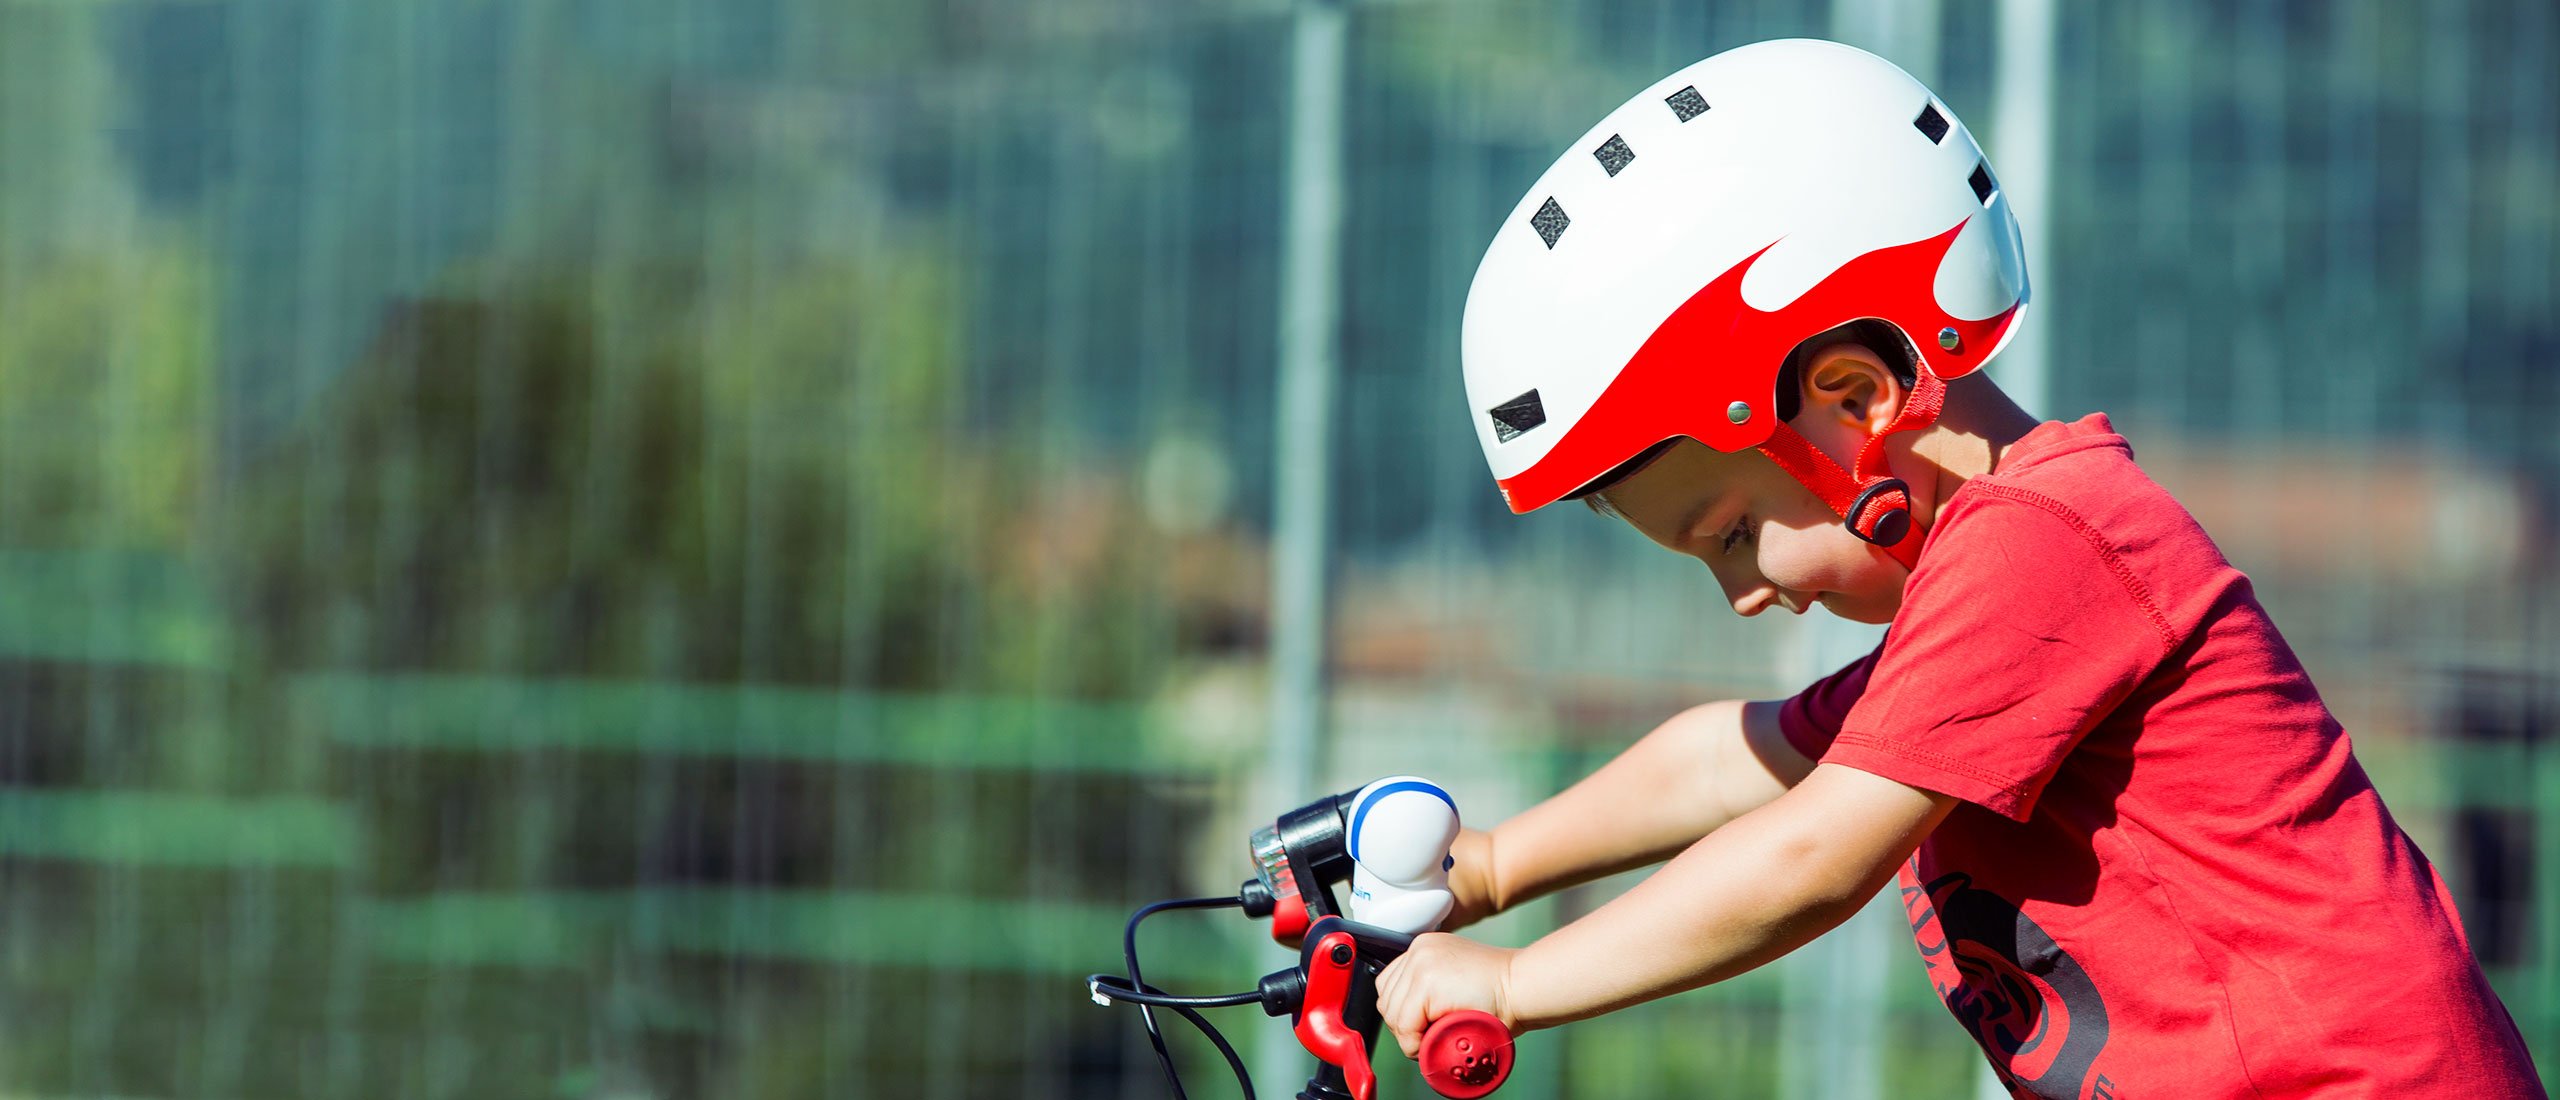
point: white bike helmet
(1653, 281)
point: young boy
(1744, 315)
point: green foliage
(645, 469)
(105, 432)
(490, 489)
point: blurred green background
(715, 548)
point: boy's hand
(1439, 975)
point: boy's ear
(1848, 386)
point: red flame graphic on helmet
(1716, 350)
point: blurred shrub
(647, 471)
(105, 426)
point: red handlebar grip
(1466, 1054)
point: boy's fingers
(1405, 1039)
(1393, 1011)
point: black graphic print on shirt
(2029, 1004)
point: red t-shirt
(2167, 877)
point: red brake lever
(1320, 1025)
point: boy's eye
(1741, 531)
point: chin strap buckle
(1881, 514)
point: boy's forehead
(1698, 466)
(1686, 475)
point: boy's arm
(1705, 767)
(1745, 894)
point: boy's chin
(1863, 609)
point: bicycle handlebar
(1331, 995)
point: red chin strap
(1874, 505)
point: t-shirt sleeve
(2019, 633)
(1812, 718)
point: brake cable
(1134, 989)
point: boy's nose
(1749, 595)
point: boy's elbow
(1833, 862)
(1827, 889)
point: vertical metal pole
(2022, 112)
(1904, 32)
(1310, 282)
(1302, 446)
(1832, 1029)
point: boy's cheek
(1811, 560)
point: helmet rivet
(1738, 412)
(1948, 339)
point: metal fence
(670, 548)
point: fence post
(1302, 441)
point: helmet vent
(1517, 415)
(1981, 181)
(1550, 222)
(1614, 154)
(1931, 123)
(1687, 103)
